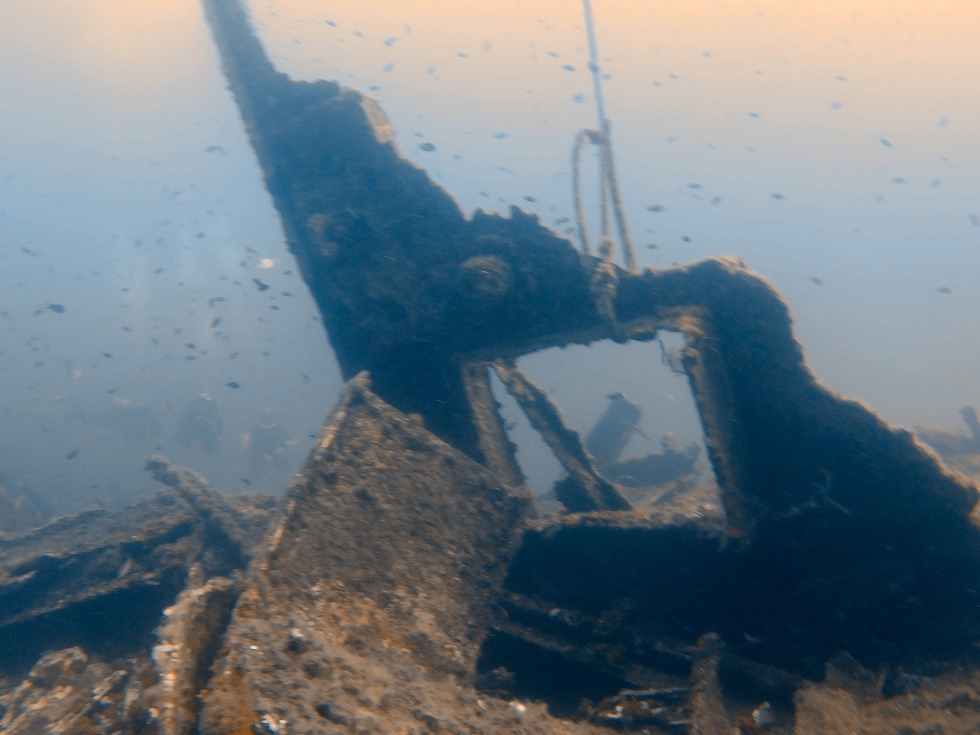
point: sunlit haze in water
(834, 145)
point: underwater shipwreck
(404, 584)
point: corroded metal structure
(404, 584)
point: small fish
(944, 289)
(262, 286)
(56, 308)
(215, 322)
(73, 453)
(214, 149)
(816, 280)
(234, 384)
(655, 208)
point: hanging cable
(608, 183)
(594, 63)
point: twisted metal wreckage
(406, 586)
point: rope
(608, 182)
(580, 142)
(594, 62)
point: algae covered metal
(404, 585)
